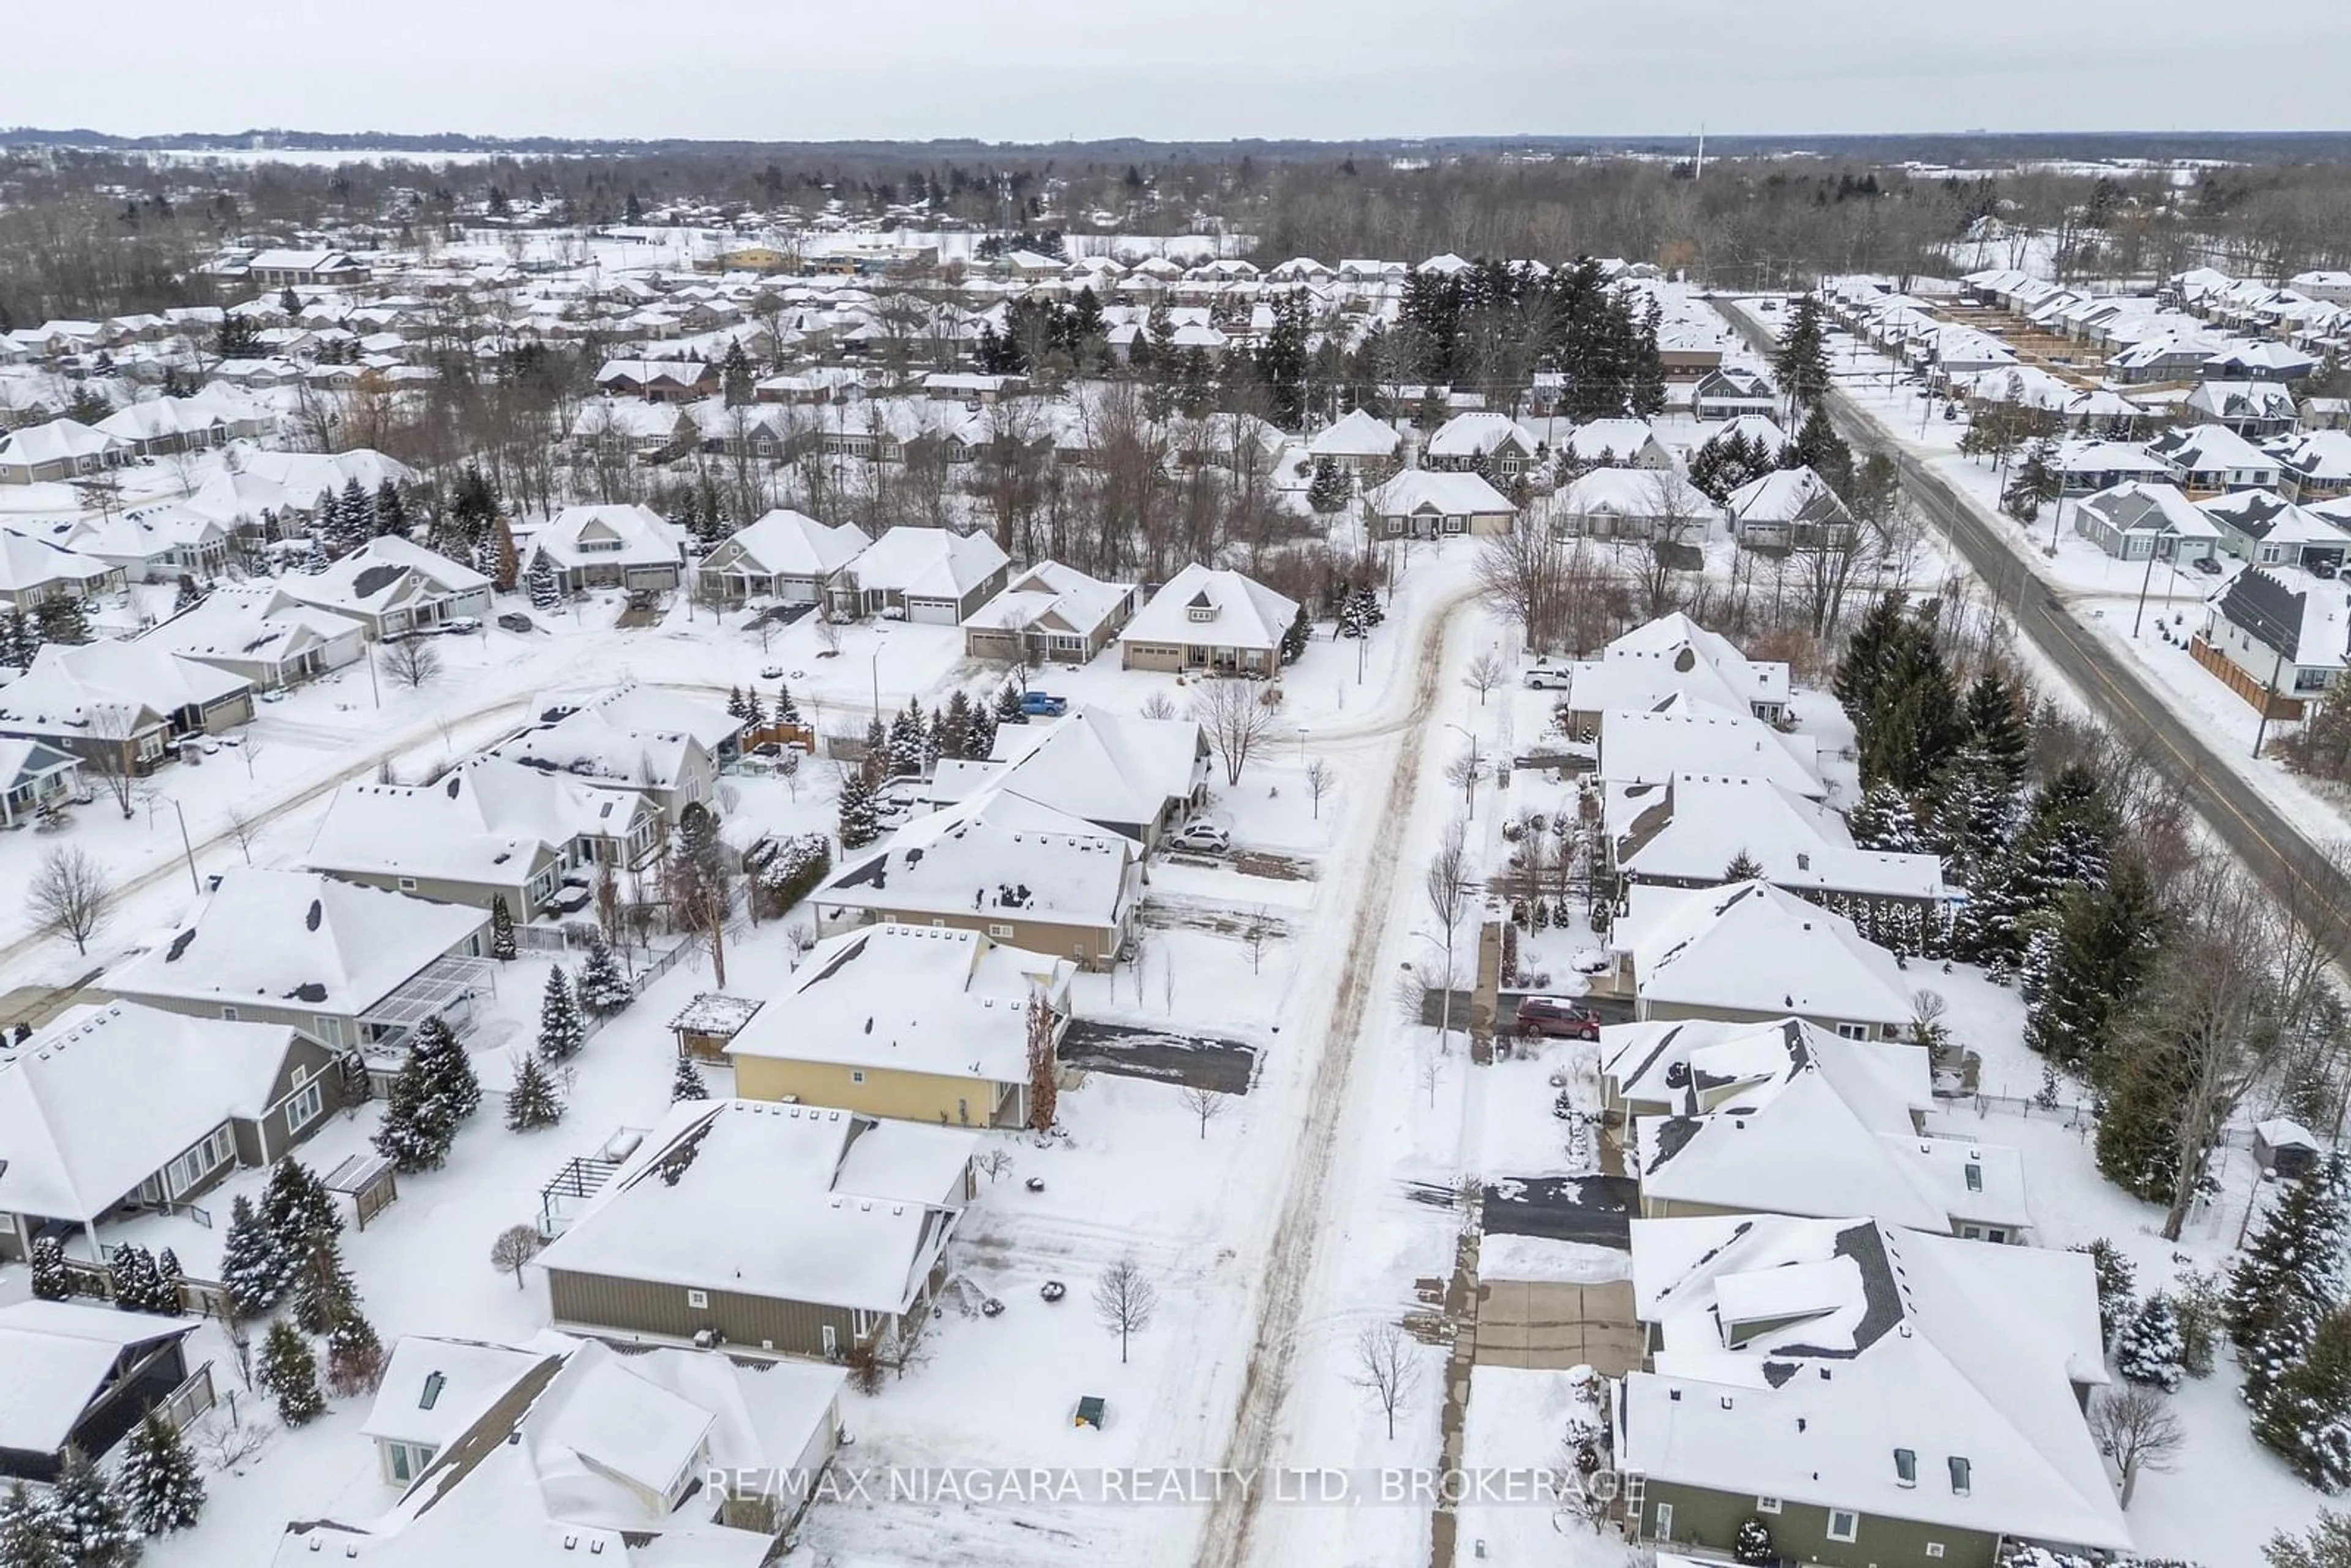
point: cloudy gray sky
(1045, 70)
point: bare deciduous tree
(1205, 1103)
(1124, 1301)
(1256, 932)
(2137, 1426)
(1158, 705)
(1385, 1368)
(1486, 673)
(1236, 717)
(1319, 779)
(515, 1246)
(994, 1164)
(116, 724)
(69, 896)
(244, 827)
(1446, 885)
(412, 662)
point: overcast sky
(1048, 69)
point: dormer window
(1906, 1467)
(1962, 1480)
(1975, 1176)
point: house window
(1975, 1176)
(1906, 1467)
(832, 1340)
(999, 931)
(1665, 1522)
(1767, 1505)
(1844, 1525)
(1852, 1031)
(200, 1161)
(1962, 1475)
(1933, 1549)
(1997, 1236)
(228, 1015)
(857, 1075)
(697, 1300)
(304, 1108)
(408, 884)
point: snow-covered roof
(78, 690)
(928, 563)
(491, 821)
(385, 573)
(792, 1203)
(58, 1357)
(785, 543)
(996, 853)
(1694, 825)
(1682, 735)
(612, 535)
(1051, 598)
(29, 565)
(1112, 770)
(433, 1389)
(1649, 493)
(1241, 611)
(1690, 1066)
(1838, 1362)
(1439, 492)
(1622, 439)
(1749, 946)
(644, 710)
(105, 1096)
(295, 938)
(251, 624)
(2210, 448)
(909, 998)
(1360, 434)
(1476, 433)
(59, 441)
(1787, 495)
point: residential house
(350, 967)
(1134, 777)
(2212, 459)
(1878, 1394)
(1493, 443)
(1748, 950)
(1688, 830)
(2267, 529)
(786, 556)
(1050, 613)
(1435, 503)
(118, 1108)
(33, 571)
(936, 576)
(658, 381)
(393, 588)
(2084, 467)
(627, 547)
(2141, 519)
(2323, 413)
(2277, 636)
(491, 829)
(609, 742)
(262, 634)
(789, 1229)
(121, 706)
(919, 1022)
(59, 450)
(1732, 394)
(162, 426)
(1672, 656)
(1784, 1117)
(1360, 443)
(1654, 504)
(613, 1440)
(2317, 466)
(80, 1377)
(1003, 865)
(1789, 508)
(35, 778)
(1618, 444)
(1681, 735)
(154, 544)
(1209, 621)
(275, 269)
(2254, 410)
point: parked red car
(1556, 1020)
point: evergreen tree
(2104, 942)
(2293, 1256)
(138, 1288)
(1294, 640)
(417, 1126)
(187, 596)
(288, 1373)
(1881, 821)
(787, 710)
(955, 725)
(2117, 1275)
(755, 716)
(2305, 1417)
(87, 1518)
(1912, 726)
(603, 989)
(1868, 654)
(1007, 703)
(545, 587)
(2149, 1350)
(2065, 839)
(391, 512)
(1742, 868)
(169, 1277)
(64, 618)
(2035, 482)
(162, 1491)
(475, 504)
(980, 744)
(560, 1031)
(859, 821)
(909, 739)
(2145, 1089)
(355, 518)
(1818, 446)
(354, 1354)
(532, 1102)
(448, 1073)
(1326, 493)
(1801, 362)
(28, 1531)
(253, 1265)
(734, 708)
(296, 1207)
(502, 931)
(686, 1082)
(322, 1291)
(48, 1270)
(1996, 726)
(737, 380)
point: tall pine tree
(88, 1517)
(161, 1489)
(560, 1031)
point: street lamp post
(1469, 784)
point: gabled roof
(1476, 433)
(785, 543)
(909, 998)
(1648, 493)
(1698, 824)
(250, 623)
(928, 563)
(1111, 769)
(1787, 495)
(1245, 614)
(382, 574)
(1796, 1358)
(2303, 618)
(1359, 435)
(645, 537)
(104, 1097)
(491, 821)
(1622, 439)
(2208, 448)
(1749, 946)
(1051, 598)
(81, 689)
(1681, 737)
(58, 1357)
(1438, 492)
(29, 564)
(999, 854)
(293, 938)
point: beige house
(1206, 622)
(916, 1023)
(1050, 613)
(1747, 951)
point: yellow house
(916, 1023)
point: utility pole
(2147, 580)
(189, 850)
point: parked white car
(1203, 835)
(1547, 678)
